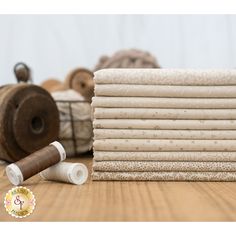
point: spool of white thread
(75, 173)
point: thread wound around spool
(78, 173)
(29, 120)
(75, 173)
(14, 174)
(60, 149)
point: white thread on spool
(75, 173)
(14, 174)
(60, 149)
(17, 176)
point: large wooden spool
(29, 120)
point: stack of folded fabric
(160, 124)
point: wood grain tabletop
(125, 201)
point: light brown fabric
(164, 156)
(163, 145)
(126, 90)
(152, 113)
(145, 102)
(164, 124)
(165, 176)
(163, 134)
(166, 77)
(152, 166)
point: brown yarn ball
(131, 58)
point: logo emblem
(19, 202)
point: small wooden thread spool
(22, 73)
(36, 162)
(75, 173)
(81, 80)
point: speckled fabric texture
(165, 176)
(164, 125)
(126, 90)
(149, 102)
(163, 134)
(153, 166)
(166, 77)
(164, 156)
(163, 145)
(162, 113)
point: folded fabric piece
(166, 176)
(144, 102)
(164, 124)
(164, 156)
(163, 134)
(126, 90)
(165, 77)
(152, 113)
(153, 166)
(163, 145)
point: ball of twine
(131, 58)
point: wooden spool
(22, 73)
(81, 80)
(29, 120)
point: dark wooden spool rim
(29, 120)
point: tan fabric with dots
(165, 176)
(164, 125)
(163, 145)
(152, 166)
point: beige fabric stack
(161, 124)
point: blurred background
(52, 45)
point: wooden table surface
(126, 201)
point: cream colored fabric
(163, 134)
(152, 166)
(166, 77)
(164, 124)
(126, 90)
(166, 176)
(75, 117)
(152, 113)
(144, 102)
(163, 145)
(164, 156)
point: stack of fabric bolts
(160, 124)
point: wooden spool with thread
(29, 120)
(79, 79)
